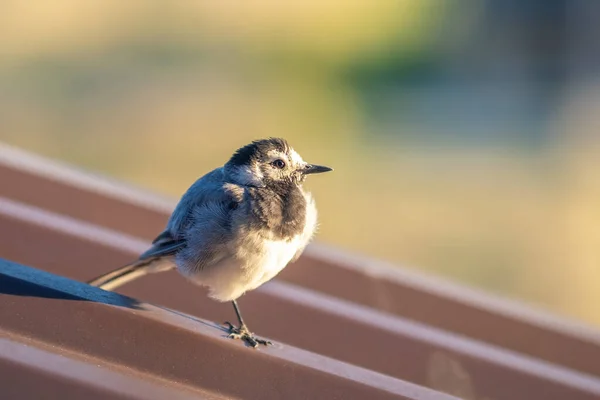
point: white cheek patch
(295, 158)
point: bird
(235, 228)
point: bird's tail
(120, 276)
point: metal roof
(344, 326)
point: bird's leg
(243, 332)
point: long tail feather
(120, 276)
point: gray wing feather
(200, 227)
(209, 234)
(207, 189)
(204, 200)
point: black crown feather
(252, 152)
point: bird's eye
(279, 163)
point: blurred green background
(463, 133)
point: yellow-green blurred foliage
(158, 92)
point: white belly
(276, 255)
(235, 275)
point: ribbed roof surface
(343, 326)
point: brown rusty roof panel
(451, 307)
(357, 279)
(32, 370)
(181, 349)
(302, 317)
(54, 186)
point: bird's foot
(244, 334)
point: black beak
(315, 169)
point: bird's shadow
(77, 291)
(195, 319)
(69, 290)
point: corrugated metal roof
(395, 333)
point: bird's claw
(244, 334)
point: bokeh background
(463, 133)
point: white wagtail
(235, 228)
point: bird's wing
(200, 227)
(210, 230)
(207, 189)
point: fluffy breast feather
(255, 258)
(272, 254)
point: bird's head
(269, 162)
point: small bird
(235, 228)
